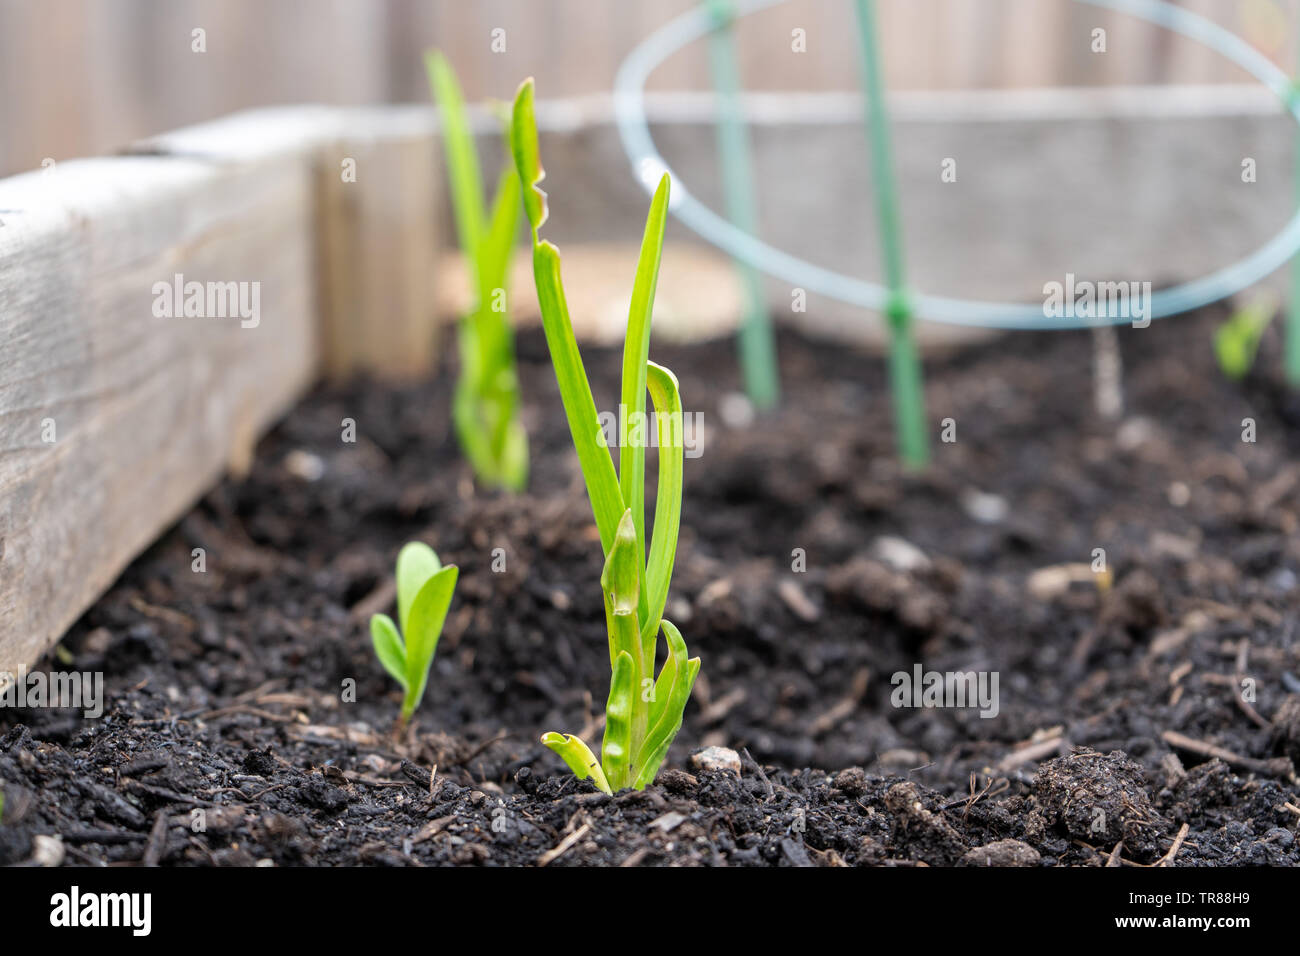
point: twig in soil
(1233, 683)
(325, 735)
(105, 837)
(432, 829)
(718, 709)
(161, 793)
(159, 721)
(1082, 650)
(183, 621)
(284, 698)
(636, 857)
(767, 784)
(367, 781)
(236, 709)
(553, 854)
(157, 845)
(85, 858)
(1243, 657)
(1275, 767)
(846, 706)
(142, 765)
(1003, 784)
(1168, 858)
(261, 793)
(1114, 859)
(1032, 752)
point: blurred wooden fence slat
(79, 77)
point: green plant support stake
(904, 363)
(758, 361)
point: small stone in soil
(1001, 853)
(716, 759)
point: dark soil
(1122, 715)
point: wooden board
(379, 182)
(114, 420)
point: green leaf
(428, 613)
(416, 563)
(575, 390)
(514, 457)
(491, 431)
(616, 751)
(485, 406)
(498, 244)
(664, 729)
(575, 393)
(467, 416)
(663, 691)
(636, 349)
(579, 757)
(462, 157)
(620, 580)
(388, 647)
(1236, 342)
(528, 162)
(668, 505)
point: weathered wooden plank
(380, 187)
(136, 73)
(116, 409)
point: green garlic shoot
(643, 713)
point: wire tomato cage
(649, 164)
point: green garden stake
(758, 362)
(904, 363)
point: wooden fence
(82, 77)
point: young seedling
(485, 405)
(424, 589)
(643, 714)
(1236, 341)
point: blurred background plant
(485, 408)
